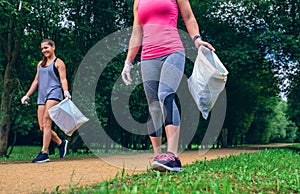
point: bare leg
(54, 136)
(45, 123)
(172, 133)
(156, 143)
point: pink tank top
(160, 34)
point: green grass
(27, 153)
(22, 153)
(268, 171)
(295, 146)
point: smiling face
(47, 49)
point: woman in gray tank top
(52, 85)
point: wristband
(196, 37)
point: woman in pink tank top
(162, 63)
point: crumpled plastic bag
(67, 116)
(207, 81)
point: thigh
(47, 122)
(48, 105)
(172, 72)
(151, 70)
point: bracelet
(196, 37)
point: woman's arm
(61, 67)
(191, 23)
(136, 35)
(34, 84)
(33, 87)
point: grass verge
(27, 153)
(267, 171)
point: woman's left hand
(67, 94)
(199, 42)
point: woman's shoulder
(39, 63)
(59, 62)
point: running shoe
(41, 157)
(166, 162)
(63, 148)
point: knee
(154, 107)
(46, 117)
(46, 122)
(161, 97)
(42, 128)
(166, 99)
(168, 108)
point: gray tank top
(49, 86)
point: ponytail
(44, 61)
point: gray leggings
(161, 78)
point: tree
(11, 34)
(251, 77)
(254, 40)
(293, 111)
(258, 41)
(260, 130)
(25, 29)
(282, 129)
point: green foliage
(294, 104)
(22, 153)
(283, 130)
(253, 49)
(260, 130)
(271, 123)
(74, 26)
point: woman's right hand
(199, 42)
(126, 73)
(25, 99)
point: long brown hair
(51, 43)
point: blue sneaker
(41, 157)
(63, 148)
(166, 162)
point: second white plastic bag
(207, 81)
(67, 116)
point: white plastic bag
(207, 81)
(67, 116)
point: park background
(258, 42)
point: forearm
(134, 43)
(32, 88)
(191, 24)
(192, 27)
(188, 18)
(64, 85)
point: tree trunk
(11, 48)
(224, 135)
(6, 109)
